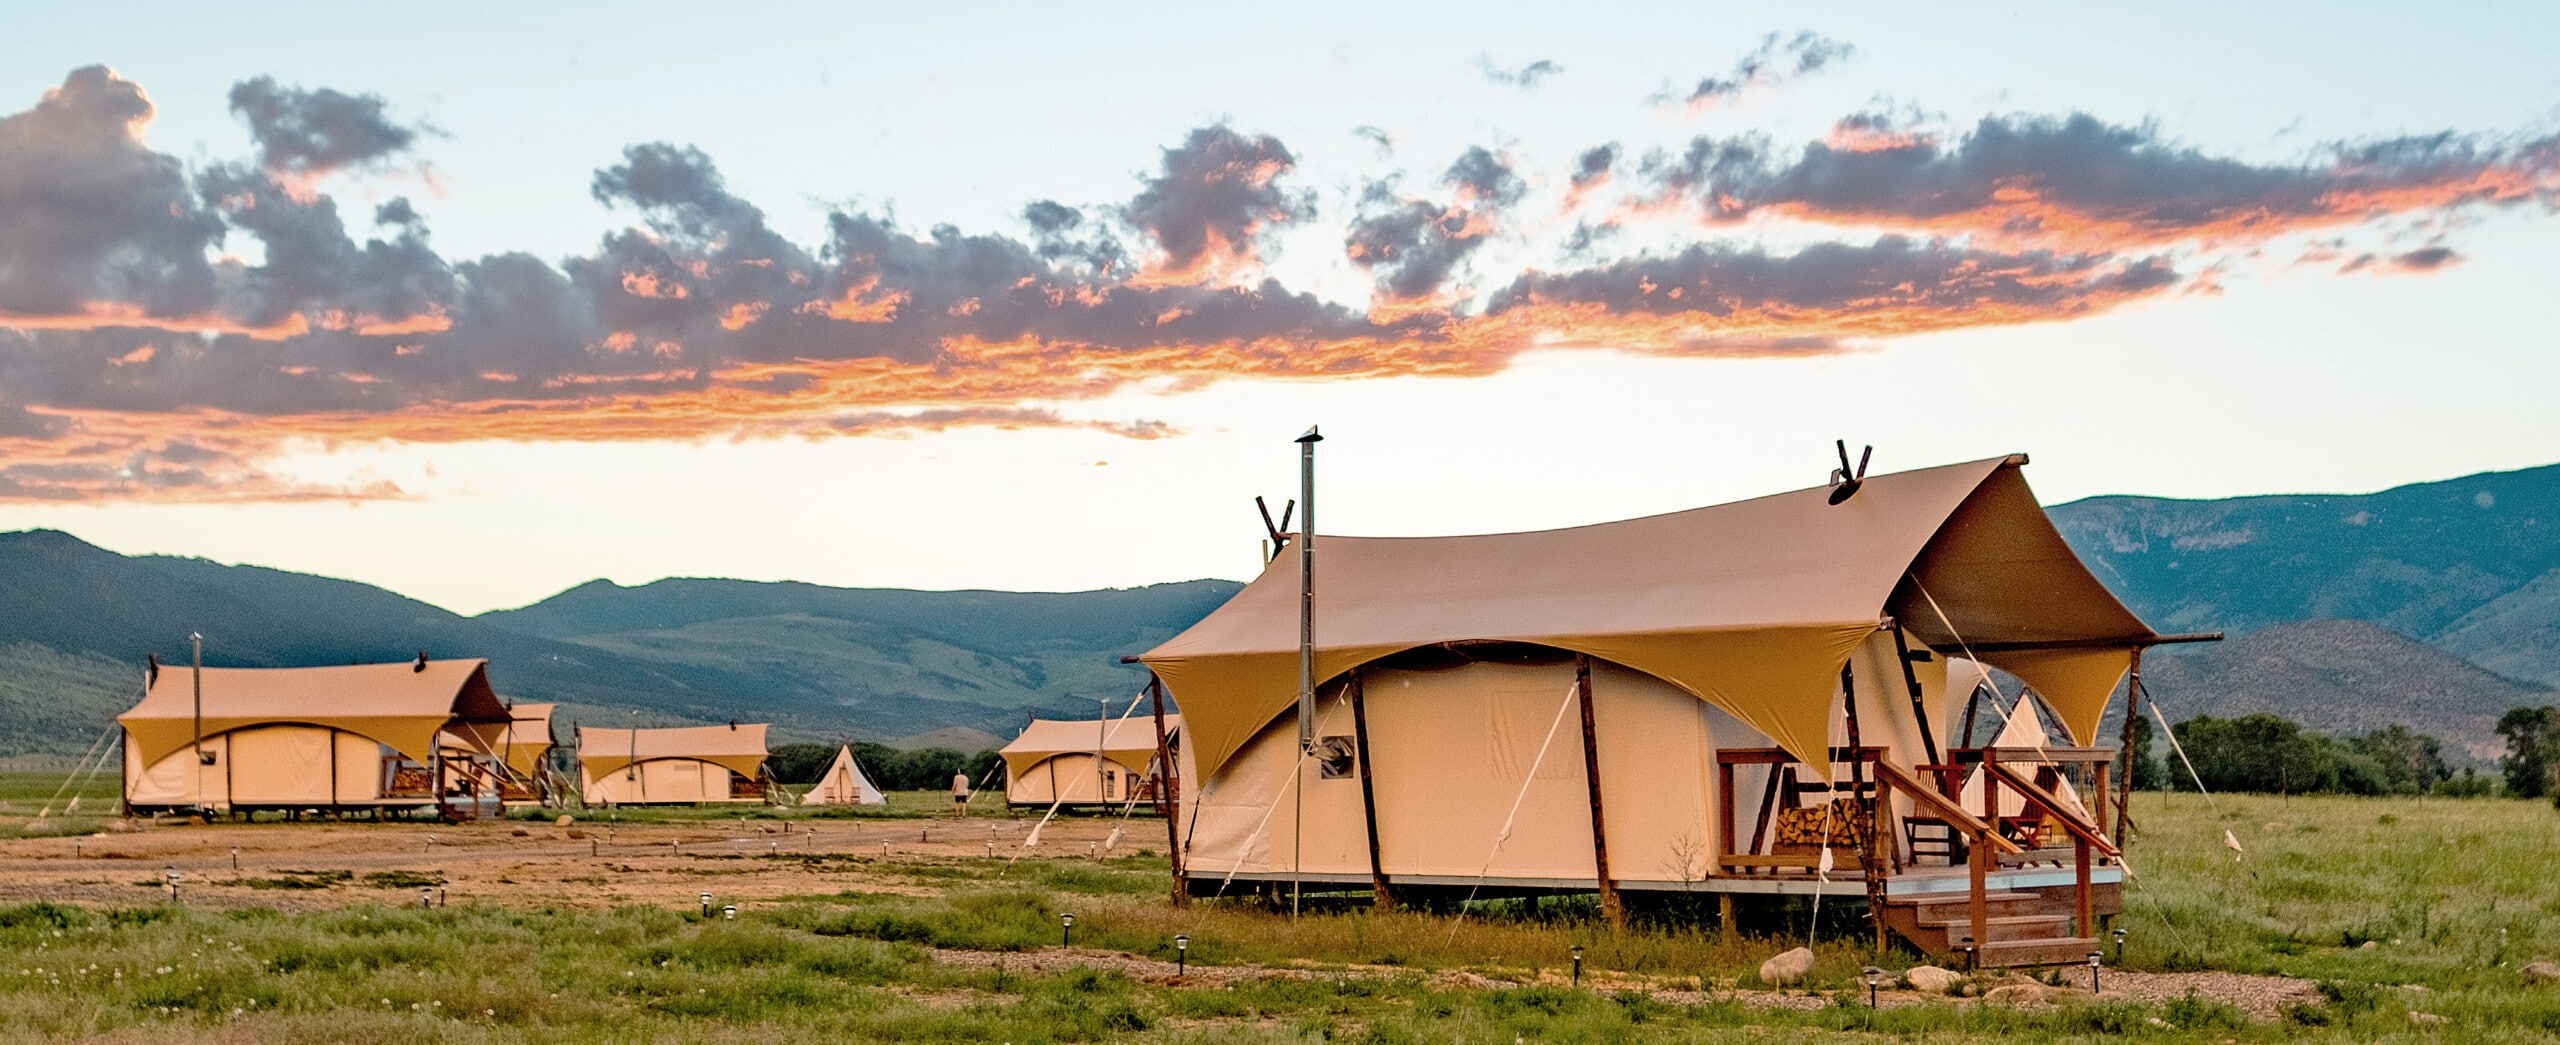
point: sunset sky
(480, 303)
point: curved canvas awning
(403, 705)
(1129, 741)
(738, 748)
(1751, 606)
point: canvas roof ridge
(2014, 458)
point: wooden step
(2006, 927)
(2068, 950)
(1936, 906)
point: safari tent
(688, 765)
(1746, 699)
(362, 736)
(843, 784)
(1086, 762)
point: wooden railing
(1935, 792)
(1729, 855)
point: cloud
(1523, 77)
(1893, 286)
(307, 133)
(1778, 59)
(1412, 246)
(2082, 183)
(137, 361)
(93, 224)
(1212, 199)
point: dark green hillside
(2413, 559)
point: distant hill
(2414, 559)
(2341, 677)
(908, 662)
(76, 620)
(2516, 634)
(957, 738)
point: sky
(481, 307)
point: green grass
(2429, 882)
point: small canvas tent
(843, 784)
(369, 736)
(1084, 762)
(688, 765)
(1740, 670)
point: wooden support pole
(1869, 816)
(2124, 779)
(1169, 784)
(1383, 897)
(2082, 906)
(1978, 897)
(1611, 904)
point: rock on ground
(1932, 979)
(1786, 969)
(2541, 972)
(2015, 995)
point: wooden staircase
(2021, 929)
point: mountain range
(2435, 605)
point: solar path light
(1875, 978)
(730, 912)
(2094, 957)
(426, 896)
(1066, 929)
(1577, 965)
(2119, 946)
(706, 905)
(1181, 954)
(170, 872)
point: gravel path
(2259, 997)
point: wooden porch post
(1872, 815)
(2124, 781)
(1611, 903)
(1171, 786)
(2083, 906)
(1381, 896)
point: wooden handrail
(1953, 814)
(2071, 821)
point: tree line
(2270, 754)
(924, 769)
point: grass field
(2407, 911)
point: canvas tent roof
(740, 747)
(1130, 741)
(402, 704)
(1751, 606)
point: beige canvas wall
(677, 780)
(1451, 753)
(1072, 775)
(265, 766)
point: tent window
(1335, 758)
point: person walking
(960, 793)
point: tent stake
(1611, 904)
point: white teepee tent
(844, 784)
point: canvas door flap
(2077, 683)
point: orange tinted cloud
(2077, 183)
(177, 377)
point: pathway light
(1181, 954)
(1875, 978)
(1066, 929)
